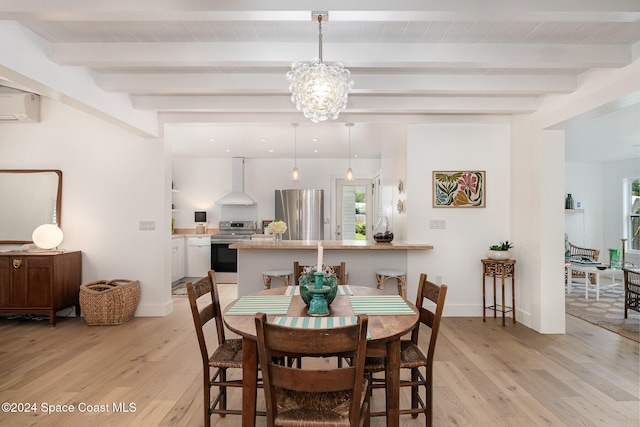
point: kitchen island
(362, 258)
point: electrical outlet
(437, 224)
(147, 225)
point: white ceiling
(216, 69)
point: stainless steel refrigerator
(303, 212)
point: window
(632, 199)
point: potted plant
(500, 251)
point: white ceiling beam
(292, 10)
(356, 104)
(411, 55)
(276, 84)
(199, 118)
(24, 62)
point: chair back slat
(577, 252)
(339, 270)
(309, 382)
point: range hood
(237, 195)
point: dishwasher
(198, 256)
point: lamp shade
(201, 216)
(47, 236)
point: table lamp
(47, 236)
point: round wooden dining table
(385, 331)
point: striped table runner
(316, 322)
(269, 304)
(379, 304)
(342, 290)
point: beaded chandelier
(319, 90)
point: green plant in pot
(500, 251)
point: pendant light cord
(320, 36)
(349, 147)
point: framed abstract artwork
(459, 189)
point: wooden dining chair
(228, 353)
(631, 291)
(314, 397)
(340, 270)
(412, 356)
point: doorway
(354, 209)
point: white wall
(585, 182)
(469, 231)
(111, 180)
(394, 169)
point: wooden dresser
(40, 283)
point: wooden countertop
(327, 244)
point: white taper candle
(320, 250)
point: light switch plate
(437, 224)
(147, 225)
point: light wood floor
(485, 375)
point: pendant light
(349, 170)
(319, 90)
(296, 173)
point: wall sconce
(201, 219)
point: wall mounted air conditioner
(19, 107)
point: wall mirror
(29, 198)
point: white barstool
(399, 275)
(285, 275)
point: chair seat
(227, 355)
(285, 275)
(400, 276)
(277, 273)
(294, 408)
(410, 357)
(391, 273)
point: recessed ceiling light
(227, 150)
(212, 139)
(263, 139)
(315, 139)
(315, 151)
(355, 155)
(271, 150)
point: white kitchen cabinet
(177, 258)
(198, 256)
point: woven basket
(109, 302)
